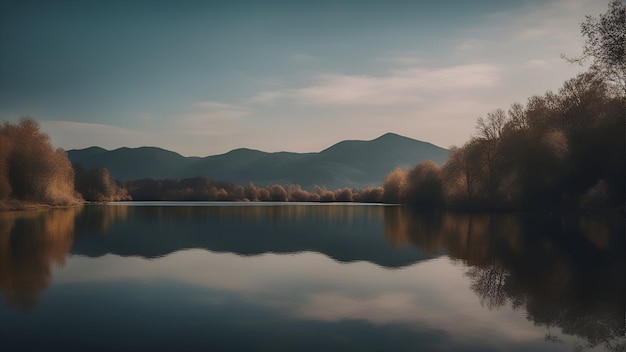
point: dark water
(308, 278)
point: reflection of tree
(30, 243)
(488, 282)
(100, 217)
(566, 272)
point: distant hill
(350, 163)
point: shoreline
(17, 206)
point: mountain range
(350, 163)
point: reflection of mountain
(30, 243)
(566, 272)
(344, 233)
(355, 164)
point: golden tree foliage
(394, 186)
(33, 170)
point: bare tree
(489, 134)
(605, 44)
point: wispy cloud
(209, 118)
(398, 87)
(502, 58)
(469, 44)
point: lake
(308, 277)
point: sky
(205, 77)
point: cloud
(505, 57)
(537, 63)
(398, 87)
(469, 44)
(549, 26)
(207, 116)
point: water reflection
(30, 244)
(344, 233)
(565, 272)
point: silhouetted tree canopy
(605, 44)
(561, 149)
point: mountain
(352, 163)
(133, 163)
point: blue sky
(202, 77)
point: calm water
(229, 277)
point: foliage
(97, 185)
(31, 170)
(204, 189)
(605, 44)
(394, 187)
(424, 185)
(559, 150)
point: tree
(371, 195)
(605, 44)
(343, 195)
(424, 185)
(251, 192)
(461, 171)
(97, 185)
(5, 149)
(295, 193)
(34, 170)
(489, 138)
(277, 193)
(394, 186)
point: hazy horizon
(200, 78)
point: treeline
(32, 172)
(97, 185)
(564, 149)
(561, 149)
(204, 189)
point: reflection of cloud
(400, 86)
(311, 286)
(388, 307)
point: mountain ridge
(348, 163)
